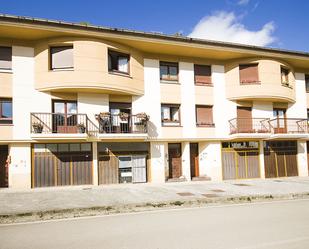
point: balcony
(249, 125)
(266, 125)
(288, 125)
(73, 125)
(122, 123)
(58, 125)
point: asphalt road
(279, 225)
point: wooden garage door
(280, 158)
(240, 163)
(55, 168)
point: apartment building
(82, 104)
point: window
(169, 71)
(5, 58)
(204, 116)
(118, 62)
(170, 115)
(307, 82)
(285, 76)
(202, 75)
(61, 58)
(6, 112)
(248, 74)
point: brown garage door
(280, 158)
(61, 165)
(240, 160)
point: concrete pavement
(112, 197)
(280, 224)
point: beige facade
(111, 118)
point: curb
(139, 207)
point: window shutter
(5, 58)
(307, 82)
(248, 73)
(202, 74)
(204, 115)
(62, 57)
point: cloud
(225, 26)
(243, 2)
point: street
(278, 224)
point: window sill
(176, 82)
(6, 71)
(61, 69)
(171, 125)
(251, 83)
(205, 125)
(203, 84)
(6, 124)
(120, 74)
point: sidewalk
(13, 202)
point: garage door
(280, 158)
(61, 164)
(240, 160)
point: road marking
(156, 211)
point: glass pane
(173, 71)
(163, 72)
(39, 147)
(72, 108)
(6, 109)
(165, 113)
(63, 147)
(124, 162)
(85, 147)
(123, 64)
(59, 107)
(74, 147)
(51, 147)
(175, 113)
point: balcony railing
(288, 125)
(265, 125)
(62, 123)
(249, 125)
(117, 123)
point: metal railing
(288, 125)
(62, 123)
(249, 125)
(115, 123)
(266, 125)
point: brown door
(4, 166)
(108, 169)
(280, 125)
(244, 119)
(174, 160)
(194, 162)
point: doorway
(64, 116)
(174, 160)
(4, 169)
(280, 121)
(194, 160)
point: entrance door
(4, 183)
(244, 119)
(174, 160)
(280, 122)
(280, 159)
(194, 161)
(64, 116)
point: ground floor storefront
(33, 165)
